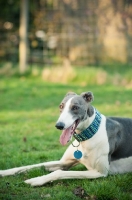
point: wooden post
(23, 44)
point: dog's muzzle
(60, 125)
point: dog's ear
(88, 96)
(71, 93)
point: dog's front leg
(18, 170)
(51, 166)
(66, 162)
(59, 174)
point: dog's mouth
(67, 133)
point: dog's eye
(61, 106)
(75, 107)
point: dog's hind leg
(121, 166)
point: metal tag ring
(75, 146)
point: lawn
(28, 112)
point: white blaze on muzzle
(66, 117)
(69, 123)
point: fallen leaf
(24, 139)
(80, 192)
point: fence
(86, 32)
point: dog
(102, 144)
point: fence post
(23, 43)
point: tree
(23, 44)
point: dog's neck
(91, 130)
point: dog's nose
(60, 125)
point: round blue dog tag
(77, 154)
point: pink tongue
(66, 135)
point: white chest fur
(95, 148)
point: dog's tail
(121, 166)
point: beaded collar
(90, 130)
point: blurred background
(47, 48)
(45, 34)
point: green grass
(28, 112)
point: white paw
(12, 171)
(1, 172)
(7, 172)
(36, 181)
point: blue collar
(90, 130)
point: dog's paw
(13, 171)
(7, 172)
(1, 173)
(39, 181)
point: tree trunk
(23, 44)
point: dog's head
(74, 110)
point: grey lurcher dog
(102, 144)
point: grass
(28, 112)
(115, 74)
